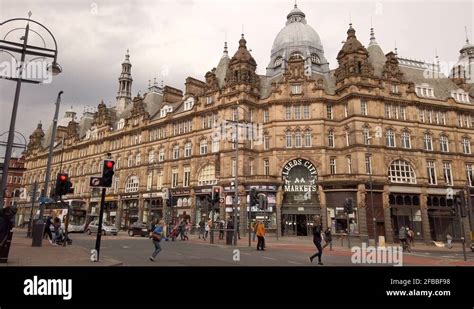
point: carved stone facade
(372, 114)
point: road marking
(125, 247)
(269, 258)
(291, 262)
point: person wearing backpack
(156, 238)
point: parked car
(107, 228)
(138, 228)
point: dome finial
(467, 38)
(225, 49)
(296, 5)
(396, 49)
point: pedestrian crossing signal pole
(106, 182)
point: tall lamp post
(374, 220)
(23, 49)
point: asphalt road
(136, 251)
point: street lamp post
(374, 220)
(24, 49)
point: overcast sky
(171, 40)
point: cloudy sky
(171, 40)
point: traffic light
(262, 201)
(254, 197)
(107, 173)
(349, 206)
(63, 185)
(460, 203)
(216, 195)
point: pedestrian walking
(402, 235)
(47, 229)
(449, 240)
(328, 238)
(156, 238)
(221, 229)
(207, 228)
(411, 236)
(201, 228)
(260, 236)
(182, 230)
(317, 228)
(254, 230)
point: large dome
(296, 34)
(297, 38)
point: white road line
(269, 258)
(291, 262)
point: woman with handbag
(156, 238)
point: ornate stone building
(312, 138)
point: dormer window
(315, 59)
(278, 61)
(296, 89)
(424, 90)
(121, 124)
(460, 96)
(209, 100)
(165, 110)
(393, 88)
(188, 104)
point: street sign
(45, 200)
(95, 181)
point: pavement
(23, 254)
(123, 250)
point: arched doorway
(300, 197)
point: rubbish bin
(229, 237)
(5, 247)
(38, 230)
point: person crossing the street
(317, 228)
(156, 236)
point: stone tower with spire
(124, 94)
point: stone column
(243, 222)
(324, 209)
(362, 213)
(194, 220)
(387, 215)
(425, 222)
(118, 216)
(278, 202)
(140, 207)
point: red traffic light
(63, 177)
(109, 164)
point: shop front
(405, 211)
(300, 197)
(110, 209)
(130, 211)
(267, 214)
(337, 219)
(153, 207)
(181, 203)
(443, 218)
(204, 208)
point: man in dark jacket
(328, 238)
(47, 229)
(317, 228)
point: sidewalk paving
(23, 254)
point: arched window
(331, 142)
(428, 142)
(444, 143)
(390, 138)
(203, 147)
(315, 58)
(132, 184)
(278, 61)
(207, 175)
(401, 171)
